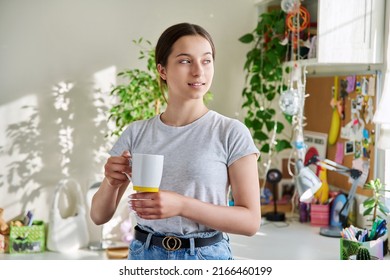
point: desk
(290, 240)
(83, 254)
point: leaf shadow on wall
(51, 143)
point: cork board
(355, 111)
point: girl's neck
(183, 115)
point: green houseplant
(264, 74)
(374, 205)
(140, 95)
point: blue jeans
(217, 251)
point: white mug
(147, 172)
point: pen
(380, 230)
(373, 229)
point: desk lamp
(354, 174)
(274, 176)
(306, 181)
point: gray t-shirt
(196, 158)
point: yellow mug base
(145, 189)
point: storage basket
(27, 239)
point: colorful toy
(335, 123)
(4, 227)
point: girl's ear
(162, 71)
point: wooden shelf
(264, 2)
(284, 208)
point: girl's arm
(106, 199)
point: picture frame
(286, 189)
(317, 140)
(349, 147)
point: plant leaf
(282, 145)
(369, 202)
(383, 208)
(368, 211)
(247, 38)
(260, 135)
(265, 148)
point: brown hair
(170, 36)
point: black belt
(173, 243)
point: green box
(27, 239)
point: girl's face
(190, 68)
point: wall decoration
(358, 96)
(358, 149)
(349, 147)
(339, 158)
(317, 140)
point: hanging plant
(264, 81)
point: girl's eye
(184, 61)
(207, 61)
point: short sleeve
(240, 142)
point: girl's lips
(196, 84)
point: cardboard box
(319, 214)
(27, 239)
(348, 248)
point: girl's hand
(156, 205)
(115, 168)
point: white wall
(83, 44)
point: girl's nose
(197, 68)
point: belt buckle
(171, 243)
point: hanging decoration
(290, 6)
(292, 102)
(297, 22)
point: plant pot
(353, 258)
